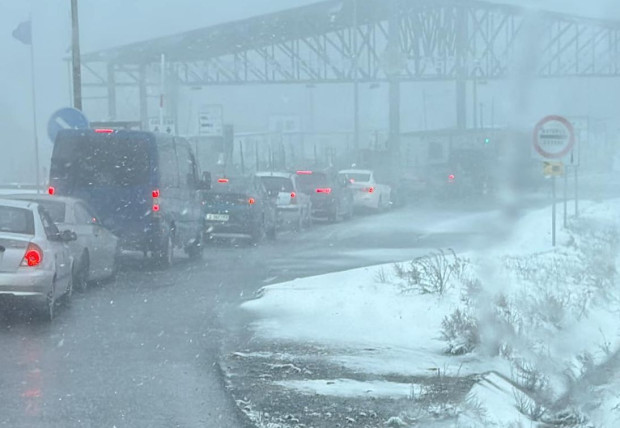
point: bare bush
(460, 331)
(530, 408)
(431, 274)
(528, 377)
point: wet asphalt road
(142, 351)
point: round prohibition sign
(554, 131)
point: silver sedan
(35, 261)
(96, 249)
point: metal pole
(424, 107)
(475, 102)
(34, 116)
(553, 208)
(75, 50)
(565, 199)
(481, 105)
(111, 92)
(356, 109)
(144, 118)
(161, 92)
(461, 67)
(241, 157)
(394, 81)
(576, 191)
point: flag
(23, 33)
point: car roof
(274, 174)
(355, 171)
(43, 197)
(15, 203)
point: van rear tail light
(155, 193)
(324, 190)
(293, 198)
(33, 256)
(51, 190)
(251, 201)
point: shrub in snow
(431, 274)
(460, 331)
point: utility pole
(77, 69)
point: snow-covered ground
(533, 319)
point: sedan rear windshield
(356, 177)
(277, 184)
(310, 182)
(16, 220)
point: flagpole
(34, 111)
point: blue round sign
(66, 118)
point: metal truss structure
(396, 41)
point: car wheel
(69, 291)
(80, 272)
(194, 251)
(259, 233)
(49, 306)
(165, 254)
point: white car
(367, 193)
(35, 260)
(294, 206)
(96, 249)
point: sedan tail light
(324, 190)
(293, 198)
(33, 256)
(51, 190)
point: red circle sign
(554, 137)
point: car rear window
(356, 176)
(277, 184)
(55, 209)
(16, 220)
(310, 182)
(232, 185)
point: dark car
(239, 207)
(331, 195)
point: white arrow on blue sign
(66, 118)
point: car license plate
(217, 217)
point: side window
(48, 225)
(83, 215)
(186, 165)
(168, 169)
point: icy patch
(353, 388)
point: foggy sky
(108, 23)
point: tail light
(222, 180)
(451, 178)
(104, 131)
(324, 190)
(51, 190)
(155, 194)
(33, 256)
(251, 201)
(304, 172)
(369, 189)
(293, 198)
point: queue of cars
(114, 190)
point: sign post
(553, 142)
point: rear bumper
(228, 230)
(365, 200)
(289, 214)
(26, 283)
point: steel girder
(438, 40)
(442, 42)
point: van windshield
(102, 160)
